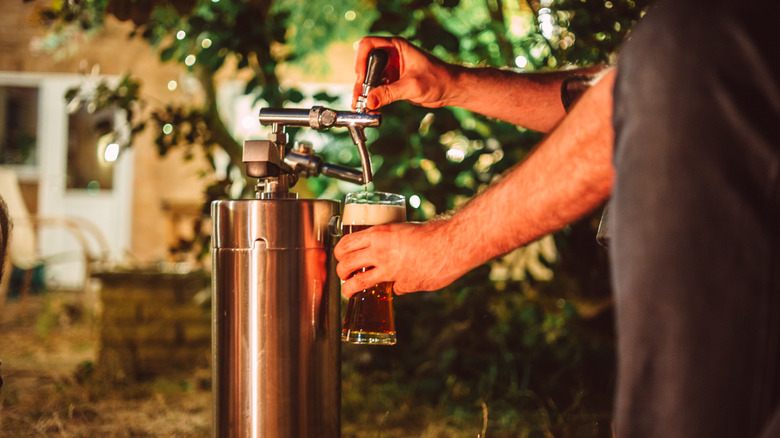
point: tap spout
(359, 138)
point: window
(91, 150)
(18, 125)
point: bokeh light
(111, 153)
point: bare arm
(568, 175)
(532, 100)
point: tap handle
(375, 67)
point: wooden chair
(23, 249)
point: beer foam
(373, 214)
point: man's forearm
(531, 100)
(568, 175)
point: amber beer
(369, 318)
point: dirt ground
(52, 387)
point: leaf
(251, 85)
(431, 33)
(71, 93)
(243, 62)
(167, 53)
(392, 23)
(183, 7)
(279, 26)
(293, 95)
(272, 95)
(323, 96)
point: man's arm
(531, 100)
(569, 174)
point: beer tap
(278, 169)
(275, 289)
(375, 68)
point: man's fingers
(351, 263)
(352, 242)
(406, 88)
(399, 289)
(360, 281)
(378, 97)
(391, 74)
(350, 253)
(386, 94)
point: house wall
(165, 188)
(157, 181)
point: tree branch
(220, 135)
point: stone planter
(152, 322)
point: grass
(53, 388)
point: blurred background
(121, 120)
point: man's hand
(532, 100)
(411, 75)
(412, 255)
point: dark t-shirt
(695, 214)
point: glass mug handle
(334, 226)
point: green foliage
(124, 95)
(587, 32)
(84, 15)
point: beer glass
(369, 318)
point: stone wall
(153, 323)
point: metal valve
(321, 118)
(304, 163)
